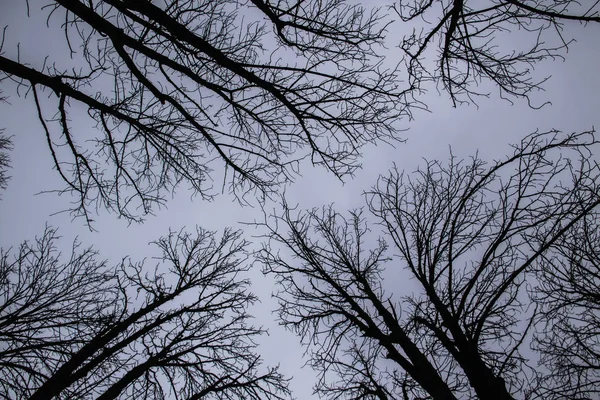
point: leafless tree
(441, 306)
(569, 318)
(78, 329)
(175, 88)
(472, 45)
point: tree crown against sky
(447, 302)
(75, 328)
(235, 94)
(177, 89)
(131, 116)
(472, 43)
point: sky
(488, 128)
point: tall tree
(76, 328)
(175, 88)
(443, 305)
(465, 42)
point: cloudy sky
(574, 91)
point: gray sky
(574, 91)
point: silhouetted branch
(5, 146)
(175, 89)
(78, 328)
(473, 46)
(568, 325)
(470, 236)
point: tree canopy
(494, 256)
(465, 279)
(472, 42)
(174, 88)
(74, 327)
(240, 92)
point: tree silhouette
(162, 94)
(174, 89)
(470, 40)
(240, 92)
(568, 292)
(177, 330)
(442, 306)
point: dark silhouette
(177, 90)
(5, 147)
(568, 294)
(469, 42)
(174, 328)
(445, 303)
(240, 92)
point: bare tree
(77, 328)
(174, 88)
(472, 46)
(568, 292)
(443, 311)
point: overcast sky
(574, 91)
